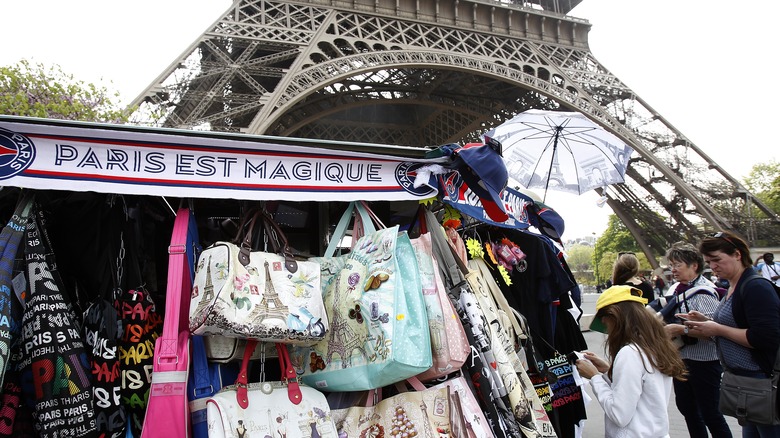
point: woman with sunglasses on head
(626, 272)
(634, 387)
(746, 325)
(697, 397)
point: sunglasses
(622, 253)
(721, 235)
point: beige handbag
(420, 413)
(279, 408)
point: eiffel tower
(270, 306)
(429, 72)
(208, 291)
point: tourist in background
(660, 285)
(696, 398)
(634, 386)
(626, 272)
(771, 270)
(747, 324)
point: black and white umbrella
(563, 151)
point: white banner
(102, 158)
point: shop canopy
(107, 158)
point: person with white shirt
(771, 270)
(633, 388)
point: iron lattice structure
(429, 72)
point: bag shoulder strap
(362, 220)
(675, 302)
(179, 280)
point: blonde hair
(626, 266)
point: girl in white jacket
(633, 389)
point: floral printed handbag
(379, 331)
(265, 296)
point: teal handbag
(379, 331)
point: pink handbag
(449, 345)
(167, 413)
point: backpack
(666, 307)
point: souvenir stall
(158, 282)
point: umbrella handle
(552, 160)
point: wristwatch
(685, 329)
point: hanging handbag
(424, 412)
(491, 392)
(241, 293)
(102, 330)
(167, 412)
(11, 249)
(503, 326)
(55, 369)
(379, 330)
(279, 408)
(141, 327)
(449, 346)
(205, 380)
(10, 239)
(475, 423)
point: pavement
(594, 425)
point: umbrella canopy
(563, 151)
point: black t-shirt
(644, 286)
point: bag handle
(242, 397)
(275, 235)
(288, 374)
(201, 381)
(363, 225)
(179, 281)
(364, 206)
(413, 381)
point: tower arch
(428, 72)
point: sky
(706, 65)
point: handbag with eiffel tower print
(267, 296)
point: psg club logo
(406, 173)
(16, 153)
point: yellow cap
(615, 294)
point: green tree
(616, 238)
(579, 257)
(764, 182)
(33, 90)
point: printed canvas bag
(55, 368)
(269, 409)
(420, 413)
(378, 324)
(449, 346)
(258, 295)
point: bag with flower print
(247, 294)
(378, 324)
(449, 345)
